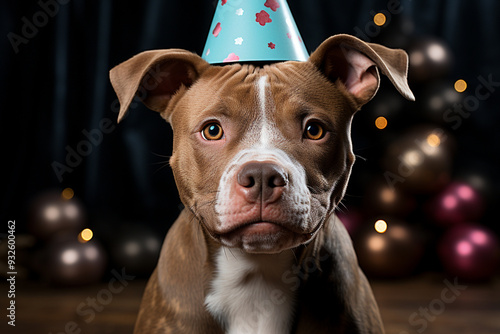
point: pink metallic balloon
(470, 252)
(352, 219)
(457, 203)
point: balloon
(69, 262)
(24, 246)
(470, 252)
(394, 252)
(386, 199)
(437, 99)
(51, 213)
(430, 59)
(457, 203)
(480, 176)
(420, 160)
(352, 219)
(136, 248)
(397, 32)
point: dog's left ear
(355, 63)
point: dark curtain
(56, 97)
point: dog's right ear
(356, 63)
(155, 77)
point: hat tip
(253, 31)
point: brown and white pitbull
(261, 157)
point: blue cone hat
(253, 31)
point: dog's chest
(249, 295)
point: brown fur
(334, 295)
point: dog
(261, 158)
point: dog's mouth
(263, 237)
(256, 229)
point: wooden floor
(425, 304)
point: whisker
(160, 162)
(360, 157)
(342, 210)
(230, 251)
(159, 169)
(161, 155)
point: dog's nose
(262, 180)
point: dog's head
(261, 155)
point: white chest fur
(248, 293)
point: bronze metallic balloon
(389, 248)
(430, 59)
(24, 246)
(437, 103)
(70, 262)
(51, 213)
(397, 32)
(420, 160)
(136, 248)
(384, 198)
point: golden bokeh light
(379, 19)
(85, 235)
(68, 193)
(380, 226)
(433, 140)
(381, 122)
(388, 195)
(460, 85)
(376, 243)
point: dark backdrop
(55, 92)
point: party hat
(253, 31)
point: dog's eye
(314, 131)
(212, 131)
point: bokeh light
(433, 140)
(460, 85)
(380, 226)
(379, 19)
(381, 122)
(85, 235)
(68, 193)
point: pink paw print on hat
(273, 4)
(217, 30)
(231, 57)
(262, 18)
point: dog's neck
(249, 293)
